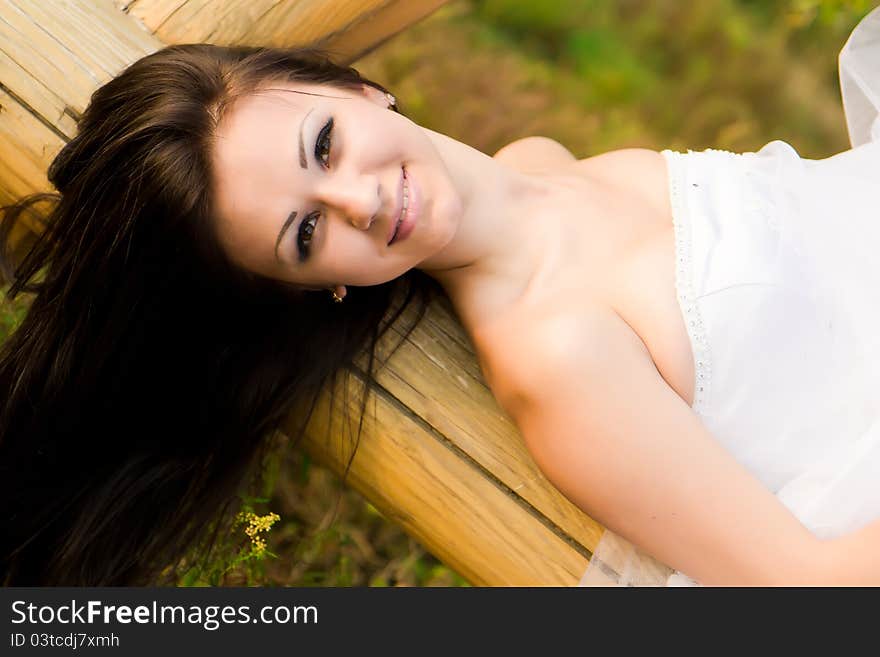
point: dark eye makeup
(307, 225)
(322, 143)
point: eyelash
(307, 225)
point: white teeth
(403, 209)
(405, 197)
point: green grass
(327, 535)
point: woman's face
(310, 187)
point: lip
(398, 207)
(408, 221)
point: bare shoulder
(636, 169)
(535, 154)
(525, 357)
(622, 160)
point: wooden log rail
(437, 455)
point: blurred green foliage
(326, 535)
(721, 73)
(601, 74)
(595, 75)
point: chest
(642, 293)
(621, 259)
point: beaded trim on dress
(616, 561)
(684, 286)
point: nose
(356, 198)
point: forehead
(254, 132)
(263, 126)
(265, 111)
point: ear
(372, 94)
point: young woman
(698, 326)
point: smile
(408, 212)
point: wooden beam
(52, 57)
(442, 497)
(436, 376)
(348, 28)
(444, 457)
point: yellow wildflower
(255, 525)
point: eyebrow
(303, 162)
(283, 230)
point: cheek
(342, 257)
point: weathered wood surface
(53, 55)
(348, 28)
(448, 464)
(441, 458)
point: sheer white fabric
(859, 62)
(778, 279)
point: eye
(304, 238)
(322, 143)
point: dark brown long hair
(141, 388)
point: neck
(497, 247)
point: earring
(392, 101)
(336, 297)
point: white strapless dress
(778, 280)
